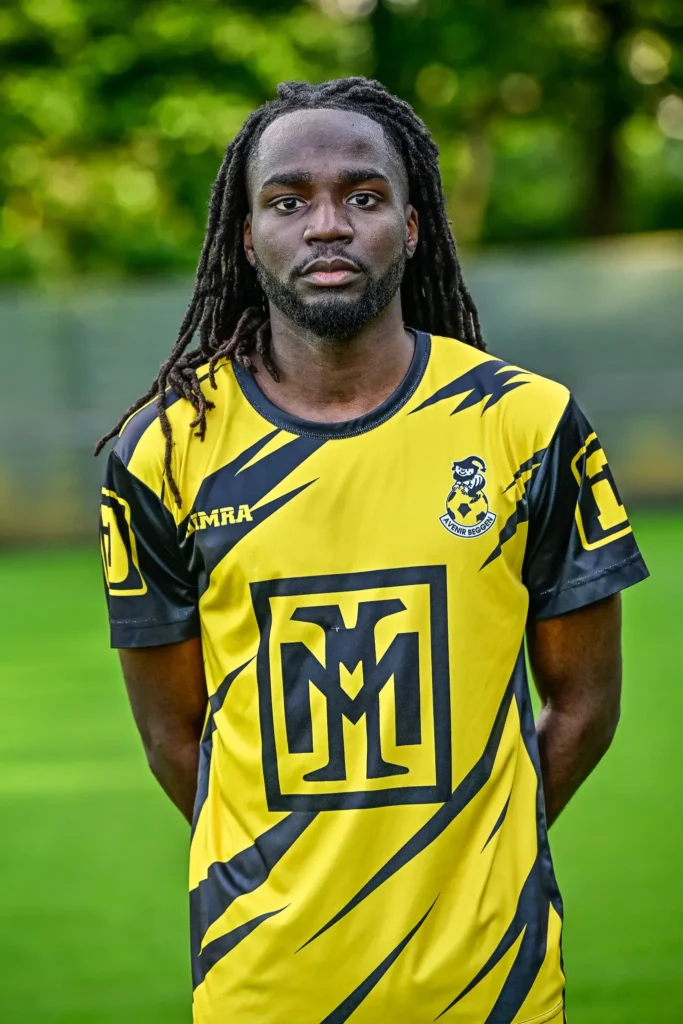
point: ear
(248, 243)
(412, 230)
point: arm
(153, 609)
(576, 664)
(167, 693)
(581, 553)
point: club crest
(467, 508)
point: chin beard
(332, 316)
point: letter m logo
(353, 689)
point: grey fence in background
(606, 319)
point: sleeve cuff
(588, 590)
(125, 635)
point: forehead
(319, 140)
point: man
(325, 534)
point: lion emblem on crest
(467, 507)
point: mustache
(327, 252)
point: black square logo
(354, 694)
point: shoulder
(141, 445)
(461, 377)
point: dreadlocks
(227, 309)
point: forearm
(571, 743)
(576, 664)
(175, 769)
(167, 693)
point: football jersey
(369, 840)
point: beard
(333, 317)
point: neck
(332, 381)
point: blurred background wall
(560, 125)
(605, 318)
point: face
(330, 227)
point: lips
(334, 272)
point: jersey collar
(346, 428)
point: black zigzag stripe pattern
(227, 881)
(353, 1001)
(238, 483)
(216, 701)
(531, 921)
(490, 380)
(520, 513)
(464, 793)
(218, 948)
(539, 893)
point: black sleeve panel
(580, 545)
(151, 595)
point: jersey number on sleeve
(117, 543)
(600, 514)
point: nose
(327, 222)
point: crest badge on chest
(467, 507)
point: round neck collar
(345, 428)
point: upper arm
(152, 600)
(581, 553)
(576, 658)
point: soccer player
(326, 530)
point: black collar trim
(348, 428)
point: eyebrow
(284, 178)
(350, 176)
(356, 175)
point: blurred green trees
(555, 118)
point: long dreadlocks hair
(227, 309)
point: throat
(329, 383)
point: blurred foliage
(555, 118)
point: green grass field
(93, 857)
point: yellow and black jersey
(369, 841)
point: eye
(363, 200)
(289, 204)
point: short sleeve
(151, 596)
(580, 545)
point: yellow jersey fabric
(369, 840)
